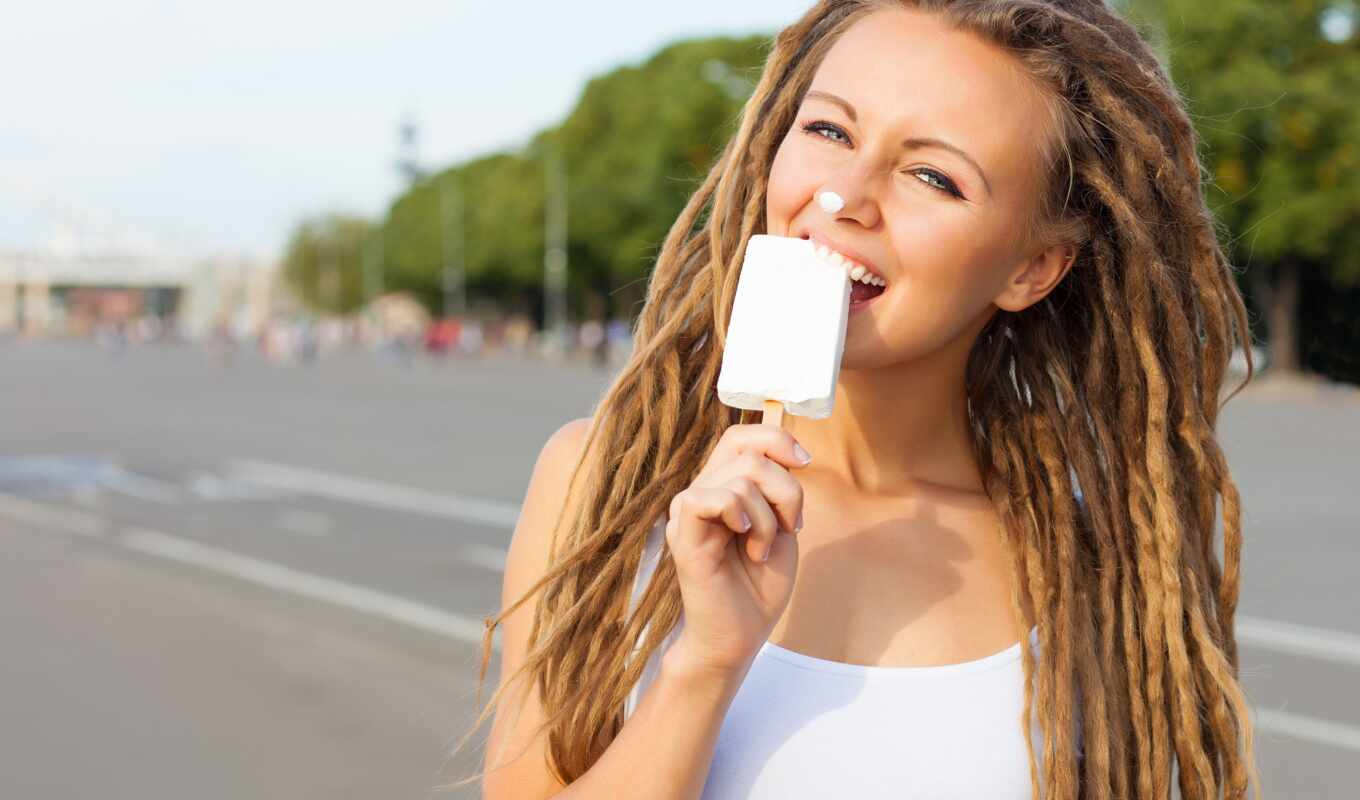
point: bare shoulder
(546, 495)
(516, 756)
(567, 441)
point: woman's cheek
(938, 296)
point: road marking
(484, 556)
(1310, 729)
(41, 514)
(210, 487)
(1299, 640)
(286, 579)
(366, 491)
(268, 574)
(117, 479)
(1284, 637)
(90, 473)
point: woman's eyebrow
(915, 141)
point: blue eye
(815, 128)
(944, 184)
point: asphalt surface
(250, 580)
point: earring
(830, 202)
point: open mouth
(863, 292)
(864, 285)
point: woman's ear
(1036, 276)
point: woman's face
(938, 225)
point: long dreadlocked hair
(1112, 381)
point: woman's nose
(849, 195)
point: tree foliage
(323, 263)
(501, 201)
(639, 142)
(635, 146)
(1273, 88)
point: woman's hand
(743, 504)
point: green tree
(501, 201)
(1272, 88)
(324, 262)
(637, 143)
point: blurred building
(76, 293)
(69, 270)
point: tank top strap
(651, 557)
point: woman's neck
(896, 431)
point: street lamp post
(453, 277)
(720, 74)
(373, 265)
(555, 252)
(328, 276)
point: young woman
(996, 576)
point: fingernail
(800, 453)
(745, 522)
(765, 556)
(798, 523)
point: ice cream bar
(787, 331)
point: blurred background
(292, 293)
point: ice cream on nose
(830, 202)
(787, 331)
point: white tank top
(805, 727)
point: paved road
(259, 581)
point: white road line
(1299, 640)
(285, 579)
(376, 493)
(41, 514)
(484, 556)
(1309, 729)
(210, 487)
(139, 486)
(1339, 647)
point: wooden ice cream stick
(773, 413)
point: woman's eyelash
(815, 127)
(945, 184)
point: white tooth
(878, 281)
(823, 251)
(856, 272)
(838, 259)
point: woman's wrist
(684, 668)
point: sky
(211, 128)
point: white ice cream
(787, 331)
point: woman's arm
(665, 749)
(666, 746)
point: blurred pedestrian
(470, 342)
(593, 340)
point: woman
(1022, 451)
